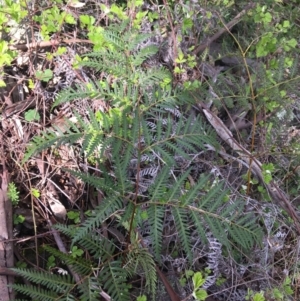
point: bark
(6, 247)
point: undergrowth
(139, 146)
(146, 152)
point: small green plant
(251, 296)
(21, 264)
(267, 170)
(76, 252)
(87, 21)
(185, 277)
(198, 292)
(188, 61)
(11, 15)
(51, 262)
(74, 216)
(220, 281)
(277, 293)
(35, 192)
(32, 115)
(180, 61)
(18, 219)
(44, 76)
(13, 193)
(52, 20)
(6, 57)
(285, 290)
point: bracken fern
(143, 146)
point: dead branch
(42, 44)
(228, 26)
(275, 192)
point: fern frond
(181, 223)
(89, 289)
(94, 90)
(71, 94)
(121, 163)
(114, 39)
(158, 190)
(189, 136)
(113, 278)
(217, 228)
(139, 261)
(242, 229)
(153, 77)
(155, 219)
(68, 230)
(49, 138)
(213, 197)
(144, 54)
(35, 292)
(102, 212)
(223, 221)
(98, 246)
(199, 224)
(79, 265)
(244, 232)
(176, 193)
(191, 196)
(104, 184)
(56, 283)
(136, 40)
(107, 61)
(67, 297)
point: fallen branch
(275, 192)
(228, 26)
(42, 44)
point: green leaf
(277, 294)
(13, 193)
(51, 262)
(18, 219)
(267, 172)
(288, 290)
(180, 59)
(70, 19)
(292, 43)
(259, 297)
(61, 51)
(141, 298)
(44, 76)
(119, 12)
(35, 192)
(198, 280)
(74, 215)
(266, 45)
(3, 47)
(200, 294)
(286, 24)
(287, 281)
(30, 84)
(267, 18)
(75, 252)
(87, 20)
(187, 24)
(32, 115)
(189, 273)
